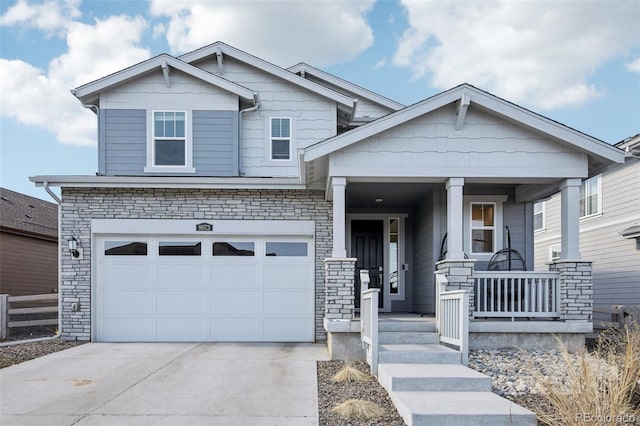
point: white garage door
(185, 288)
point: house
(28, 245)
(609, 229)
(236, 201)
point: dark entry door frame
(391, 278)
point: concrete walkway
(165, 384)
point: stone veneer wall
(339, 283)
(460, 276)
(80, 205)
(576, 289)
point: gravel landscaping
(331, 394)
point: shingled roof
(23, 214)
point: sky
(577, 62)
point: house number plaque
(204, 227)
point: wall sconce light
(73, 248)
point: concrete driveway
(165, 384)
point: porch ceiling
(393, 195)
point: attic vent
(28, 215)
(6, 199)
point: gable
(167, 65)
(462, 98)
(488, 145)
(150, 91)
(185, 92)
(218, 54)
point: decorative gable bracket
(463, 106)
(166, 73)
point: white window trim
(290, 138)
(498, 241)
(599, 191)
(188, 167)
(544, 217)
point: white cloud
(634, 65)
(41, 97)
(538, 53)
(381, 63)
(283, 32)
(50, 16)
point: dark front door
(367, 246)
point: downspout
(53, 195)
(256, 101)
(45, 185)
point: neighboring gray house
(236, 201)
(609, 229)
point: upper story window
(280, 139)
(591, 196)
(483, 227)
(169, 148)
(169, 138)
(538, 216)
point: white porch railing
(452, 317)
(512, 294)
(369, 321)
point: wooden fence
(36, 304)
(605, 317)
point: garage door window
(287, 249)
(125, 248)
(173, 248)
(226, 248)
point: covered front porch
(404, 233)
(466, 165)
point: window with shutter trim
(280, 138)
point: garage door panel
(126, 303)
(180, 302)
(122, 276)
(283, 275)
(235, 276)
(175, 275)
(126, 329)
(287, 303)
(288, 330)
(235, 294)
(236, 329)
(180, 329)
(236, 303)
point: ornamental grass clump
(349, 373)
(358, 409)
(595, 388)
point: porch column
(338, 186)
(570, 219)
(454, 218)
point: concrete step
(432, 377)
(403, 337)
(417, 353)
(406, 325)
(460, 409)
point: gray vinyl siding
(215, 143)
(125, 141)
(123, 138)
(424, 253)
(616, 260)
